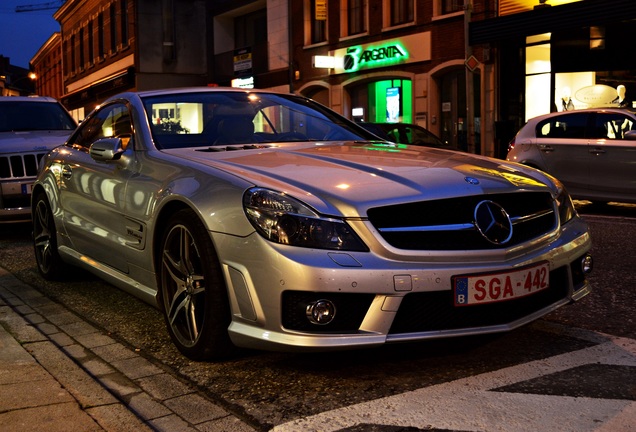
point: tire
(192, 294)
(50, 264)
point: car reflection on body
(29, 128)
(592, 151)
(406, 133)
(264, 220)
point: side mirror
(630, 135)
(107, 149)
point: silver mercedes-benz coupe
(265, 220)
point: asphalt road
(285, 390)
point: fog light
(587, 264)
(321, 312)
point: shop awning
(547, 19)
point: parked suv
(592, 151)
(29, 128)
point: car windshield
(33, 116)
(403, 133)
(224, 118)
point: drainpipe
(470, 93)
(291, 46)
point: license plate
(495, 287)
(26, 188)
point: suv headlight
(285, 220)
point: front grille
(448, 224)
(435, 311)
(16, 202)
(350, 311)
(20, 166)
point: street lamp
(10, 86)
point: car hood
(347, 178)
(28, 141)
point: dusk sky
(22, 34)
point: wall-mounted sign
(596, 95)
(409, 49)
(360, 58)
(321, 10)
(247, 82)
(243, 62)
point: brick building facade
(47, 66)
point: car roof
(584, 110)
(187, 90)
(27, 99)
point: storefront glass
(389, 100)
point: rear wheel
(50, 264)
(192, 294)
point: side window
(111, 121)
(564, 126)
(611, 126)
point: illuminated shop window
(538, 79)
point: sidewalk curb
(116, 387)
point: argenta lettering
(383, 53)
(357, 57)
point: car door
(92, 193)
(612, 158)
(563, 147)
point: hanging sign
(321, 10)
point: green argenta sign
(358, 58)
(408, 49)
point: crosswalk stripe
(472, 404)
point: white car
(265, 220)
(592, 151)
(29, 128)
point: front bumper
(381, 300)
(15, 200)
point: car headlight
(285, 220)
(565, 205)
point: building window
(318, 25)
(113, 29)
(356, 17)
(597, 38)
(81, 48)
(538, 75)
(250, 29)
(91, 52)
(73, 57)
(124, 22)
(402, 12)
(100, 35)
(450, 6)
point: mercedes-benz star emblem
(471, 180)
(493, 222)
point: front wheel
(192, 293)
(50, 264)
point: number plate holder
(470, 290)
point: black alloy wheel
(192, 294)
(50, 264)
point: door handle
(597, 151)
(546, 148)
(67, 172)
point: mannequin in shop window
(621, 99)
(566, 100)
